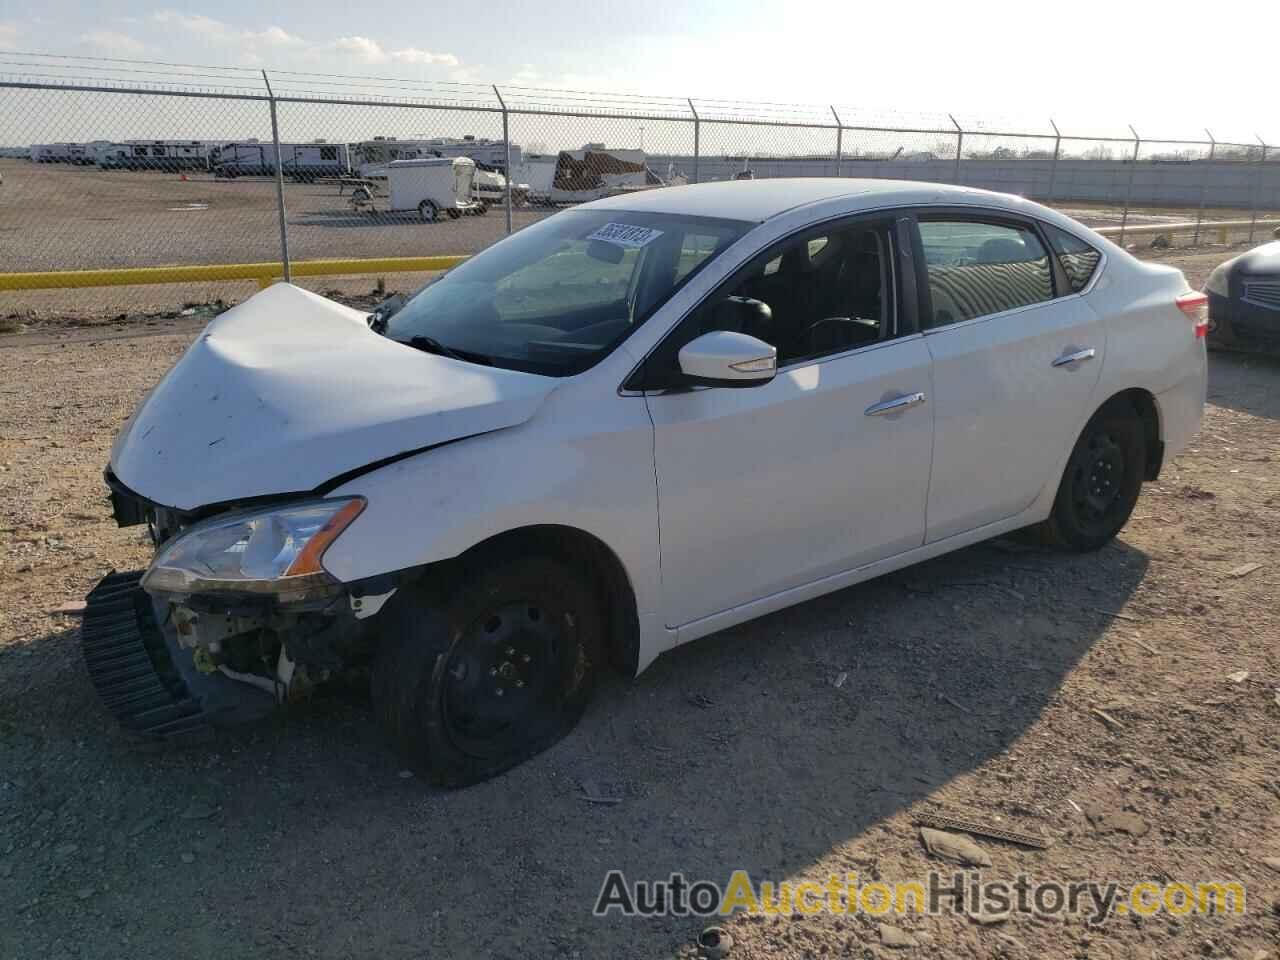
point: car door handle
(1080, 356)
(896, 405)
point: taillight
(1196, 306)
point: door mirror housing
(724, 358)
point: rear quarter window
(1078, 259)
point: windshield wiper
(432, 345)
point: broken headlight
(274, 551)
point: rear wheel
(428, 211)
(471, 679)
(1101, 483)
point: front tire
(1101, 483)
(475, 676)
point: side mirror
(723, 358)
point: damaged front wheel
(471, 679)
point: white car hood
(289, 390)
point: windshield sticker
(626, 235)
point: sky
(1171, 69)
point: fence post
(1257, 189)
(697, 133)
(955, 177)
(1128, 190)
(1204, 182)
(839, 140)
(1053, 167)
(275, 139)
(506, 146)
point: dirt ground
(796, 746)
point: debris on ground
(988, 918)
(895, 937)
(714, 943)
(1108, 719)
(940, 822)
(952, 846)
(1244, 570)
(1240, 676)
(1119, 821)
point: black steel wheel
(428, 211)
(474, 677)
(1102, 480)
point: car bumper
(1236, 324)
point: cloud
(250, 43)
(276, 37)
(370, 51)
(195, 23)
(8, 36)
(526, 76)
(113, 43)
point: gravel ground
(969, 685)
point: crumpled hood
(289, 390)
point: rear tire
(528, 626)
(428, 211)
(1101, 482)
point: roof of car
(758, 200)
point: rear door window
(978, 268)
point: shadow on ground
(1247, 382)
(739, 751)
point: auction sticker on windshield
(626, 235)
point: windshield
(559, 295)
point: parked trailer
(370, 157)
(168, 155)
(301, 161)
(307, 161)
(51, 153)
(432, 187)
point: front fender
(585, 465)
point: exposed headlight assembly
(275, 551)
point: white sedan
(632, 424)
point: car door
(822, 469)
(1016, 357)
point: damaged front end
(235, 615)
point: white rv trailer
(301, 161)
(431, 186)
(370, 157)
(51, 153)
(171, 155)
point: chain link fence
(121, 167)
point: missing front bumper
(148, 686)
(129, 663)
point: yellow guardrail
(264, 273)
